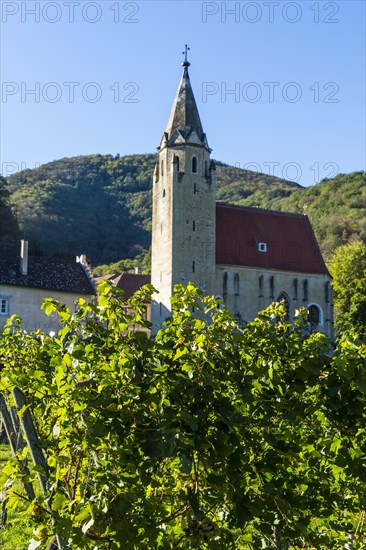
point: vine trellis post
(12, 423)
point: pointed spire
(184, 116)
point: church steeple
(183, 220)
(184, 123)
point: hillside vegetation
(101, 205)
(9, 230)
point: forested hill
(9, 230)
(101, 205)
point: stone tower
(184, 189)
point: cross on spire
(185, 53)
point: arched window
(286, 302)
(315, 316)
(194, 165)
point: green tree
(210, 436)
(348, 269)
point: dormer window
(262, 247)
(194, 165)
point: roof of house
(47, 274)
(131, 282)
(291, 243)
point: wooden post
(15, 443)
(32, 438)
(36, 452)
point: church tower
(184, 190)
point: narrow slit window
(194, 225)
(195, 188)
(176, 160)
(193, 267)
(260, 285)
(163, 193)
(271, 288)
(224, 287)
(194, 165)
(327, 293)
(162, 168)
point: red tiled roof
(131, 282)
(291, 243)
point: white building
(25, 282)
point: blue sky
(280, 85)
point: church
(248, 257)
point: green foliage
(101, 205)
(348, 269)
(18, 528)
(98, 205)
(336, 209)
(8, 225)
(209, 436)
(142, 261)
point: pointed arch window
(286, 302)
(194, 165)
(314, 316)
